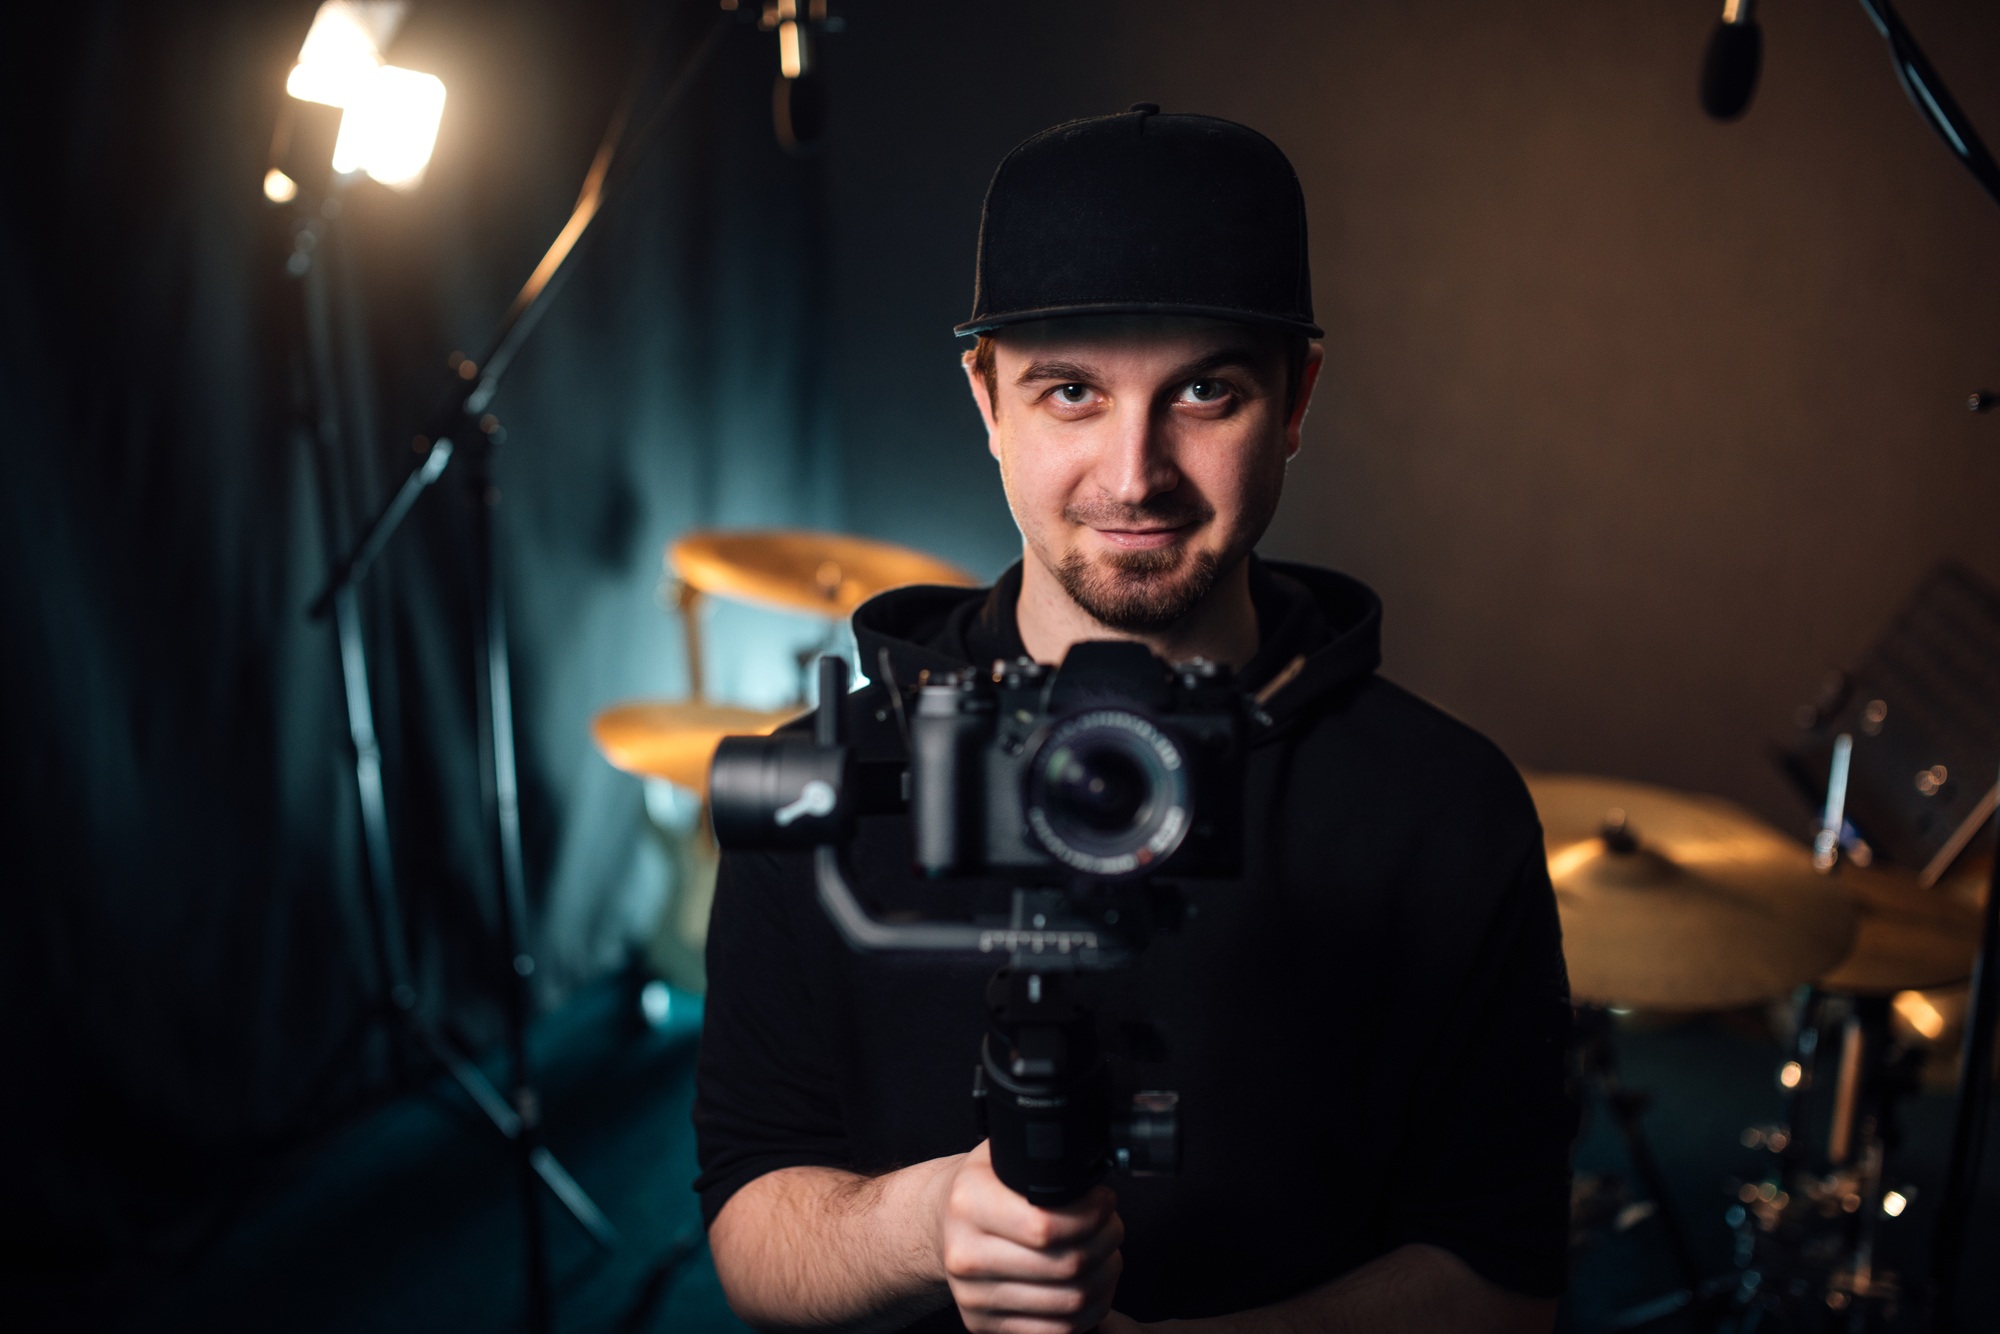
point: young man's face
(1142, 457)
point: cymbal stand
(1806, 1234)
(1975, 1095)
(1936, 105)
(1598, 1067)
(463, 425)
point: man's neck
(1222, 627)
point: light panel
(390, 127)
(343, 49)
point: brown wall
(1638, 422)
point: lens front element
(1107, 793)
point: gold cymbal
(675, 740)
(1673, 901)
(821, 574)
(1909, 939)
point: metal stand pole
(1599, 1062)
(516, 1119)
(1975, 1096)
(459, 425)
(1936, 105)
(500, 780)
(330, 438)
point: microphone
(1729, 71)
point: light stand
(515, 1119)
(461, 424)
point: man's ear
(1308, 377)
(980, 396)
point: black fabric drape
(183, 924)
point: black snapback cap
(1144, 213)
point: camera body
(1114, 767)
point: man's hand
(1018, 1269)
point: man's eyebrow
(1062, 372)
(1226, 358)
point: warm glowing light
(1790, 1073)
(1894, 1203)
(391, 128)
(280, 188)
(1916, 1010)
(791, 51)
(1571, 859)
(343, 49)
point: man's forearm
(1411, 1289)
(812, 1247)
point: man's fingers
(983, 1256)
(992, 1207)
(1038, 1308)
(1060, 1301)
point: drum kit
(825, 575)
(1672, 902)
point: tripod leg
(330, 437)
(505, 1120)
(503, 794)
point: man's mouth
(1145, 539)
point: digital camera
(1114, 767)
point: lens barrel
(1107, 793)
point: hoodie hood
(1320, 632)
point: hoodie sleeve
(766, 1095)
(1486, 1166)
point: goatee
(1138, 592)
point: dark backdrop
(1637, 421)
(185, 942)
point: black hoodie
(1367, 1033)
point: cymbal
(1674, 901)
(1909, 939)
(675, 740)
(821, 574)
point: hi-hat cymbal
(1675, 901)
(675, 740)
(1909, 939)
(822, 574)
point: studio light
(389, 116)
(390, 129)
(343, 49)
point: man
(1367, 1031)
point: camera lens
(1100, 787)
(1107, 793)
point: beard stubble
(1138, 592)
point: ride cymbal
(1909, 938)
(821, 574)
(1674, 901)
(675, 740)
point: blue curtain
(184, 946)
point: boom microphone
(1729, 71)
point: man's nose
(1136, 462)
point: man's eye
(1072, 393)
(1208, 391)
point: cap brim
(1260, 319)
